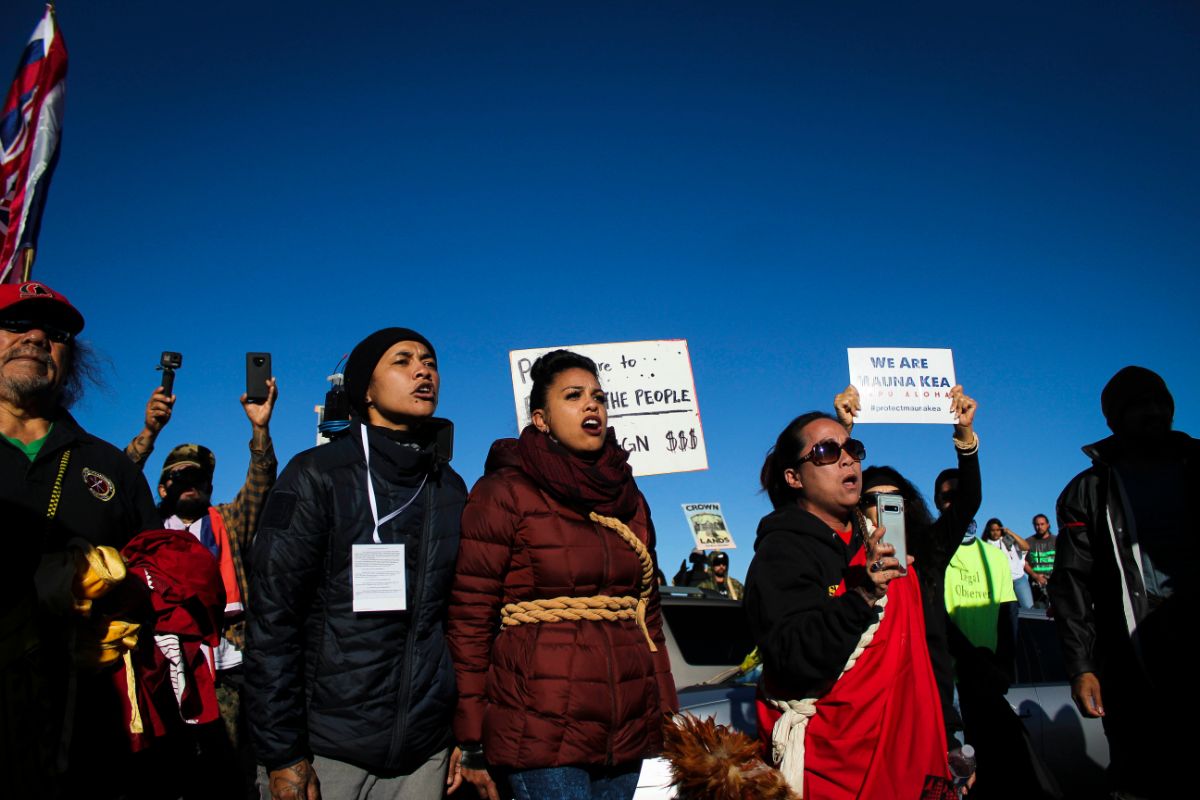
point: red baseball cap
(38, 301)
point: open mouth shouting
(425, 391)
(592, 425)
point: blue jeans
(1024, 592)
(576, 783)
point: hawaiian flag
(30, 123)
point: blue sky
(774, 182)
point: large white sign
(898, 384)
(708, 527)
(651, 400)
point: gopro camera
(168, 362)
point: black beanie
(365, 357)
(1128, 386)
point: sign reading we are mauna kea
(652, 404)
(903, 384)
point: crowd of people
(364, 626)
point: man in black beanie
(351, 688)
(1123, 581)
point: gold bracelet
(969, 447)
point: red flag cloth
(188, 600)
(233, 592)
(878, 732)
(30, 126)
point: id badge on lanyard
(377, 569)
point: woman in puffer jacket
(555, 627)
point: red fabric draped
(878, 732)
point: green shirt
(32, 449)
(978, 580)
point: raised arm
(1022, 545)
(158, 414)
(244, 512)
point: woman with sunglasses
(847, 701)
(932, 543)
(555, 628)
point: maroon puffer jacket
(552, 693)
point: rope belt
(599, 608)
(787, 737)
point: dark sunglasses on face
(828, 452)
(53, 332)
(190, 476)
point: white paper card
(377, 577)
(708, 525)
(652, 402)
(903, 384)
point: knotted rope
(787, 737)
(601, 608)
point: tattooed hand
(297, 782)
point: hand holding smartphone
(258, 370)
(890, 508)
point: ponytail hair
(782, 456)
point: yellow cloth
(978, 580)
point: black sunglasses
(53, 332)
(829, 451)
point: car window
(1039, 654)
(710, 634)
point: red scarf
(605, 485)
(878, 732)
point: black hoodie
(804, 633)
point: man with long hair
(63, 493)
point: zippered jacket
(571, 692)
(1097, 589)
(373, 689)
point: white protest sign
(708, 526)
(902, 384)
(651, 400)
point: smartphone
(168, 362)
(258, 369)
(890, 508)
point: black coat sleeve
(934, 550)
(286, 571)
(1070, 582)
(804, 633)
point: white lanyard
(371, 492)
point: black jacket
(804, 633)
(1096, 589)
(373, 689)
(104, 499)
(932, 550)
